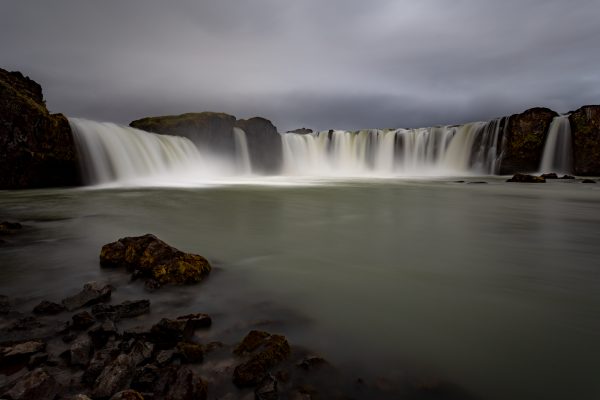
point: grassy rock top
(151, 258)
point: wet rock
(551, 175)
(196, 321)
(151, 285)
(476, 183)
(37, 360)
(35, 385)
(588, 181)
(267, 351)
(301, 131)
(99, 361)
(312, 362)
(36, 147)
(165, 356)
(524, 178)
(264, 144)
(191, 352)
(267, 389)
(141, 352)
(567, 177)
(92, 293)
(585, 131)
(81, 351)
(149, 257)
(115, 377)
(128, 395)
(4, 304)
(48, 308)
(15, 357)
(30, 328)
(168, 332)
(147, 378)
(127, 309)
(101, 333)
(80, 397)
(82, 320)
(187, 386)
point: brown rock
(127, 395)
(115, 377)
(92, 293)
(83, 320)
(585, 130)
(35, 385)
(48, 308)
(524, 178)
(266, 350)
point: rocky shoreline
(82, 348)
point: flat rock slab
(127, 309)
(92, 293)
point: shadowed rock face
(523, 142)
(214, 131)
(585, 130)
(36, 147)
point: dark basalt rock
(128, 395)
(127, 309)
(266, 351)
(551, 175)
(301, 131)
(524, 178)
(169, 332)
(48, 308)
(588, 181)
(567, 177)
(191, 352)
(36, 147)
(187, 386)
(7, 228)
(267, 389)
(80, 352)
(523, 141)
(102, 333)
(149, 257)
(82, 320)
(17, 356)
(114, 378)
(585, 131)
(92, 293)
(264, 144)
(35, 385)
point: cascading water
(114, 153)
(557, 156)
(469, 148)
(241, 151)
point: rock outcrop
(523, 142)
(214, 131)
(36, 147)
(585, 131)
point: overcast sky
(315, 63)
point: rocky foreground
(82, 348)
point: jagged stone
(48, 308)
(115, 377)
(81, 351)
(266, 351)
(92, 293)
(35, 385)
(82, 320)
(127, 309)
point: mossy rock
(151, 258)
(585, 130)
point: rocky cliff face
(215, 132)
(585, 131)
(36, 147)
(523, 142)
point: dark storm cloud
(344, 64)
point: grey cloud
(346, 64)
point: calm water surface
(494, 287)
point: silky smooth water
(493, 287)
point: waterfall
(557, 156)
(445, 150)
(241, 151)
(113, 153)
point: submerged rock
(588, 181)
(266, 351)
(48, 308)
(92, 293)
(524, 178)
(567, 177)
(151, 258)
(7, 228)
(36, 147)
(551, 175)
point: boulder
(127, 395)
(114, 378)
(149, 257)
(81, 351)
(102, 332)
(523, 140)
(265, 350)
(191, 352)
(82, 320)
(524, 178)
(48, 308)
(36, 148)
(551, 175)
(35, 385)
(92, 293)
(585, 131)
(7, 228)
(187, 386)
(127, 309)
(19, 354)
(588, 181)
